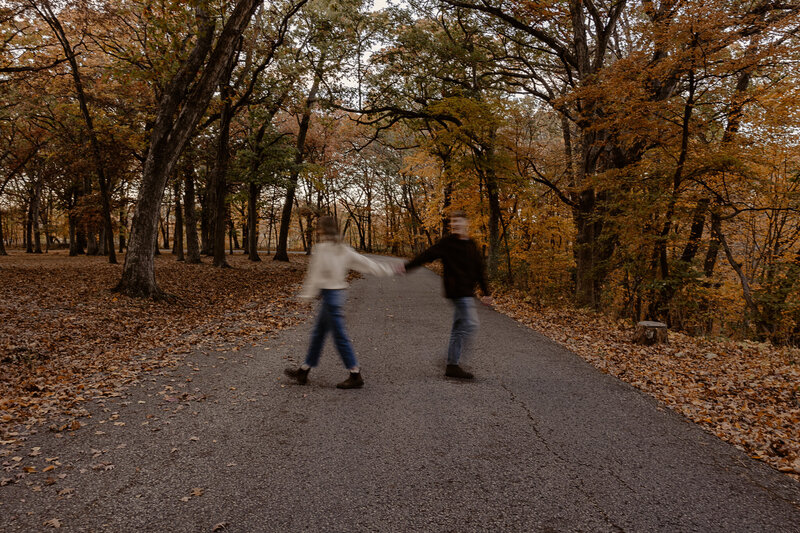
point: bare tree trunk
(206, 246)
(252, 221)
(713, 246)
(217, 185)
(35, 213)
(47, 13)
(192, 246)
(2, 237)
(281, 254)
(28, 234)
(122, 226)
(178, 234)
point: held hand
(487, 300)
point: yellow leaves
(53, 522)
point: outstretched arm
(431, 254)
(365, 265)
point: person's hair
(328, 228)
(458, 213)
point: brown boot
(298, 374)
(355, 381)
(455, 371)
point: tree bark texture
(178, 114)
(178, 233)
(192, 246)
(281, 254)
(217, 185)
(52, 20)
(2, 237)
(252, 221)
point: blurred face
(459, 226)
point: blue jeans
(465, 324)
(331, 318)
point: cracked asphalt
(540, 441)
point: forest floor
(65, 338)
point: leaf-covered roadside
(747, 394)
(66, 338)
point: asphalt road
(541, 441)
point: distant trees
(634, 157)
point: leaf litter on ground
(66, 338)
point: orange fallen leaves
(65, 338)
(745, 393)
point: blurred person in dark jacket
(463, 271)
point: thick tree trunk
(217, 185)
(177, 116)
(178, 234)
(101, 242)
(252, 222)
(192, 246)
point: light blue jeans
(331, 318)
(465, 324)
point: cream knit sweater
(329, 264)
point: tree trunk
(163, 224)
(50, 17)
(252, 221)
(73, 235)
(89, 229)
(713, 246)
(192, 246)
(230, 237)
(493, 192)
(178, 114)
(234, 236)
(101, 243)
(2, 237)
(281, 254)
(122, 230)
(217, 185)
(28, 235)
(178, 234)
(35, 214)
(205, 231)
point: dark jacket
(463, 266)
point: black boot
(298, 374)
(455, 371)
(355, 381)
